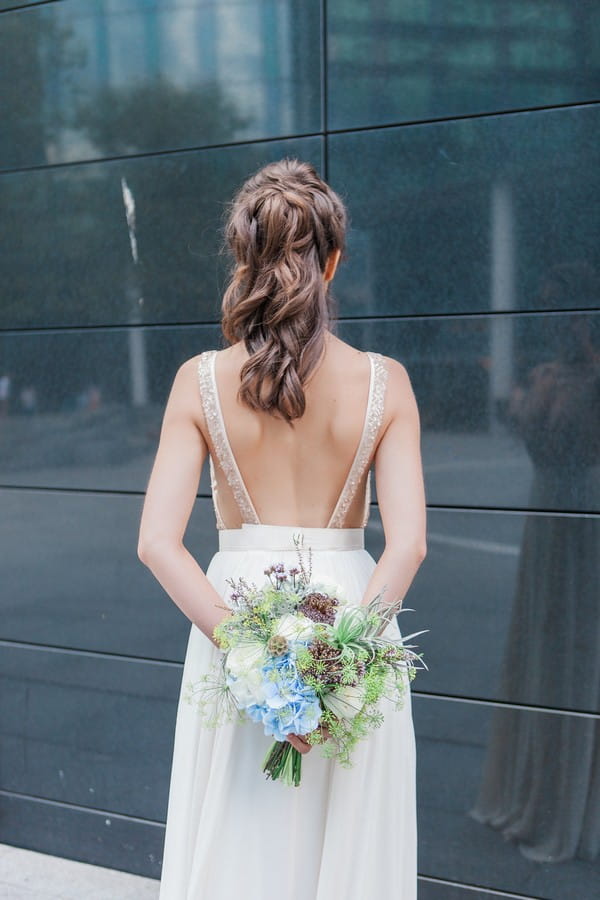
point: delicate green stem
(283, 761)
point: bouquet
(300, 659)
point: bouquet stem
(283, 761)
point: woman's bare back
(296, 475)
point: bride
(291, 418)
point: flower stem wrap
(283, 761)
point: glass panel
(508, 600)
(87, 589)
(73, 726)
(533, 774)
(443, 890)
(99, 78)
(509, 405)
(13, 4)
(421, 59)
(84, 408)
(498, 213)
(115, 841)
(68, 257)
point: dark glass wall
(464, 138)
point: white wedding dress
(343, 834)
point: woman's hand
(301, 744)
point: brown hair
(283, 224)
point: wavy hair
(282, 227)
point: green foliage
(212, 699)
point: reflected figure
(541, 776)
(5, 389)
(28, 398)
(89, 399)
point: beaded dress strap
(216, 428)
(372, 424)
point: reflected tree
(157, 115)
(33, 48)
(174, 189)
(65, 235)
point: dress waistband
(281, 537)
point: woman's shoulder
(397, 374)
(189, 367)
(400, 399)
(393, 377)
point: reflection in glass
(85, 590)
(96, 78)
(541, 785)
(451, 740)
(78, 438)
(74, 412)
(67, 255)
(453, 216)
(87, 729)
(418, 59)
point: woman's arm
(400, 492)
(170, 497)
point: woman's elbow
(150, 549)
(411, 551)
(419, 554)
(142, 552)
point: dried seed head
(319, 607)
(277, 645)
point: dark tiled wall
(464, 137)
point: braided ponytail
(283, 225)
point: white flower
(345, 701)
(249, 655)
(331, 588)
(248, 689)
(294, 627)
(244, 668)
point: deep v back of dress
(225, 470)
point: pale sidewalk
(25, 875)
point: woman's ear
(331, 264)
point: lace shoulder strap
(372, 424)
(216, 428)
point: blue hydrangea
(290, 706)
